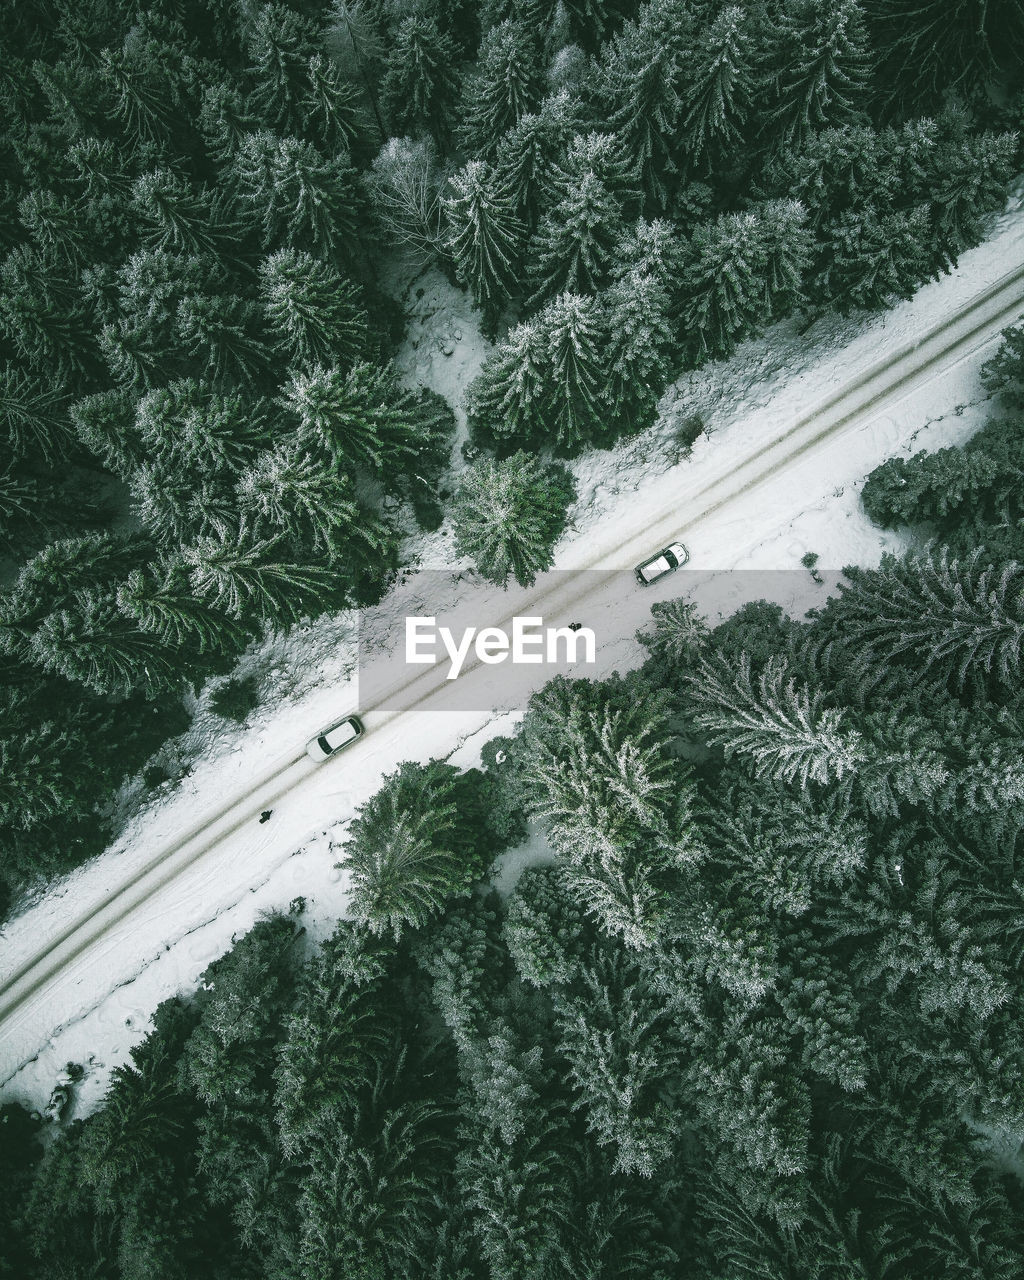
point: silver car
(673, 557)
(332, 740)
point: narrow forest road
(46, 985)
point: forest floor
(104, 1006)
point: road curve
(881, 385)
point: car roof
(337, 735)
(657, 565)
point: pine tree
(508, 516)
(525, 157)
(347, 415)
(419, 83)
(55, 226)
(331, 113)
(614, 1032)
(483, 236)
(222, 335)
(723, 286)
(823, 61)
(573, 338)
(640, 75)
(34, 421)
(871, 259)
(719, 86)
(288, 490)
(279, 44)
(946, 618)
(544, 928)
(639, 351)
(95, 645)
(505, 86)
(574, 242)
(787, 733)
(313, 311)
(239, 574)
(43, 318)
(160, 601)
(503, 402)
(289, 195)
(399, 851)
(177, 219)
(786, 242)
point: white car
(667, 561)
(331, 741)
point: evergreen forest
(760, 1016)
(202, 432)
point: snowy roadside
(814, 506)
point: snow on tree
(544, 928)
(399, 852)
(419, 84)
(222, 334)
(34, 419)
(572, 248)
(330, 109)
(719, 86)
(279, 43)
(615, 1033)
(573, 337)
(177, 219)
(93, 644)
(290, 195)
(871, 259)
(640, 77)
(786, 732)
(946, 618)
(723, 286)
(159, 600)
(42, 316)
(821, 55)
(504, 87)
(56, 227)
(508, 516)
(787, 244)
(313, 311)
(679, 632)
(483, 236)
(526, 156)
(639, 351)
(239, 573)
(503, 402)
(286, 489)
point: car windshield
(324, 745)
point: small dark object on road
(265, 814)
(575, 626)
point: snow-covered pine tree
(399, 851)
(821, 62)
(56, 227)
(331, 114)
(506, 84)
(241, 574)
(43, 316)
(574, 242)
(34, 419)
(347, 415)
(176, 218)
(545, 929)
(159, 600)
(616, 1035)
(225, 119)
(641, 341)
(526, 155)
(639, 86)
(787, 244)
(313, 311)
(503, 402)
(279, 43)
(92, 643)
(573, 337)
(483, 236)
(719, 86)
(223, 336)
(419, 83)
(787, 733)
(871, 258)
(289, 195)
(723, 285)
(288, 490)
(941, 617)
(508, 516)
(679, 633)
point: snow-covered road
(811, 438)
